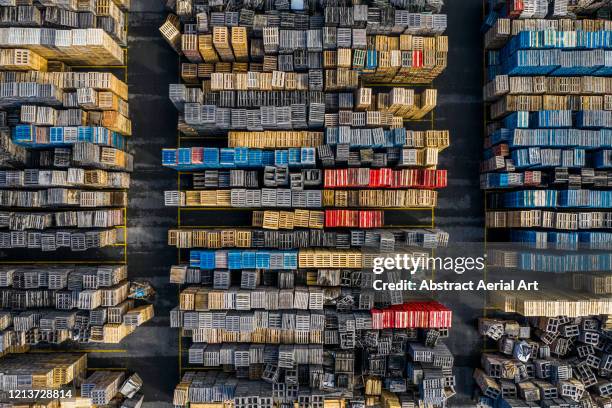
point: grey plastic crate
(221, 279)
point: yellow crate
(115, 121)
(190, 73)
(206, 48)
(21, 60)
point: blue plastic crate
(308, 156)
(24, 133)
(290, 260)
(500, 136)
(255, 158)
(399, 137)
(551, 119)
(118, 140)
(56, 135)
(603, 159)
(519, 119)
(531, 62)
(281, 157)
(371, 60)
(194, 259)
(101, 135)
(234, 157)
(562, 240)
(184, 156)
(210, 157)
(207, 259)
(227, 157)
(488, 22)
(496, 180)
(530, 199)
(234, 259)
(595, 239)
(262, 260)
(525, 158)
(169, 157)
(249, 259)
(85, 133)
(493, 71)
(331, 136)
(585, 199)
(293, 157)
(267, 158)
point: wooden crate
(171, 31)
(21, 60)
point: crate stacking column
(546, 168)
(64, 175)
(547, 179)
(289, 163)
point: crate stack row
(577, 295)
(399, 352)
(106, 16)
(65, 167)
(64, 128)
(546, 166)
(394, 42)
(64, 175)
(546, 362)
(309, 97)
(63, 379)
(54, 304)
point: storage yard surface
(152, 65)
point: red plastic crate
(412, 315)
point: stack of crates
(323, 140)
(102, 292)
(547, 78)
(554, 372)
(51, 371)
(66, 169)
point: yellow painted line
(180, 353)
(433, 217)
(125, 237)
